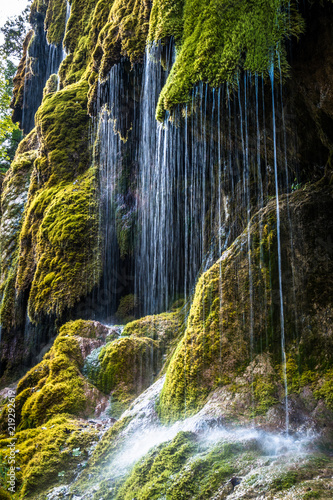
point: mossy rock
(56, 386)
(13, 202)
(49, 455)
(220, 39)
(126, 367)
(55, 19)
(164, 327)
(60, 254)
(235, 313)
(183, 467)
(124, 34)
(128, 308)
(166, 20)
(13, 199)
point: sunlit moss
(221, 38)
(49, 455)
(166, 20)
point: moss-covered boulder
(124, 369)
(48, 455)
(236, 311)
(165, 328)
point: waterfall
(43, 60)
(54, 60)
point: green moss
(55, 21)
(51, 85)
(107, 446)
(319, 381)
(63, 126)
(164, 327)
(83, 328)
(79, 40)
(127, 308)
(197, 361)
(221, 38)
(59, 244)
(285, 481)
(219, 341)
(325, 389)
(55, 386)
(166, 20)
(46, 451)
(182, 469)
(13, 200)
(311, 494)
(264, 391)
(127, 367)
(124, 34)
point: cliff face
(178, 159)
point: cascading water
(271, 453)
(43, 60)
(54, 60)
(111, 151)
(156, 266)
(215, 162)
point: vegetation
(49, 455)
(229, 351)
(10, 134)
(13, 31)
(218, 342)
(13, 199)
